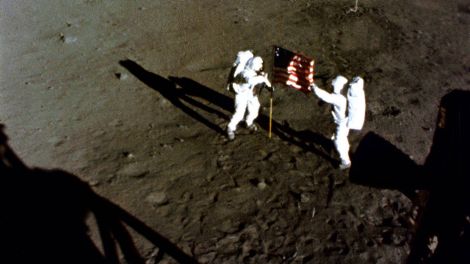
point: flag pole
(270, 113)
(271, 98)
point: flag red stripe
(298, 73)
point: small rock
(398, 239)
(98, 133)
(157, 198)
(166, 146)
(71, 39)
(432, 244)
(338, 182)
(94, 183)
(229, 245)
(132, 170)
(227, 167)
(164, 211)
(391, 111)
(121, 76)
(296, 149)
(229, 227)
(263, 154)
(207, 258)
(67, 39)
(287, 165)
(305, 197)
(164, 103)
(262, 185)
(128, 155)
(115, 123)
(247, 250)
(210, 177)
(213, 198)
(367, 257)
(56, 141)
(153, 256)
(186, 197)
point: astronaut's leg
(240, 108)
(253, 111)
(342, 146)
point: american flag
(292, 69)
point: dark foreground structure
(440, 187)
(44, 219)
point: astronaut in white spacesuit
(354, 103)
(247, 74)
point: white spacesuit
(356, 112)
(245, 78)
(356, 104)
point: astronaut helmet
(255, 63)
(338, 83)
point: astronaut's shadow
(182, 92)
(378, 163)
(183, 95)
(440, 187)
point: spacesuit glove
(312, 87)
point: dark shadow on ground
(184, 90)
(43, 219)
(177, 96)
(445, 178)
(378, 163)
(306, 139)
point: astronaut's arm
(259, 79)
(323, 95)
(268, 83)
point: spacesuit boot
(230, 134)
(344, 165)
(253, 128)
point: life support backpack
(356, 104)
(242, 59)
(238, 66)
